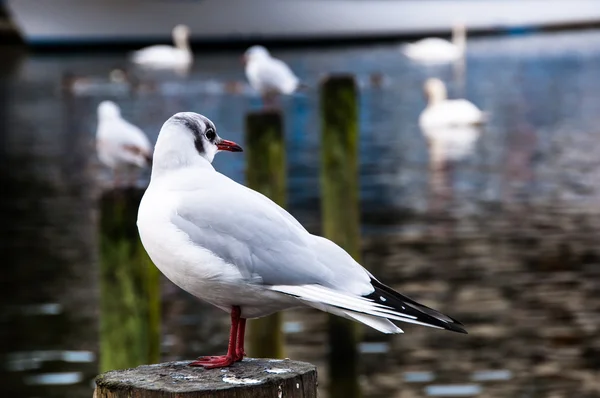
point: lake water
(504, 238)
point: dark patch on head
(199, 144)
(196, 124)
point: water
(509, 246)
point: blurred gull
(120, 145)
(178, 57)
(436, 50)
(238, 250)
(267, 75)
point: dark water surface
(504, 239)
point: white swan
(120, 145)
(450, 143)
(441, 111)
(268, 75)
(450, 126)
(436, 50)
(165, 56)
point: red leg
(224, 360)
(239, 348)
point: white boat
(57, 22)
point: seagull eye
(210, 134)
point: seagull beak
(225, 145)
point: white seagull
(267, 75)
(177, 57)
(436, 50)
(120, 145)
(236, 249)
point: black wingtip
(385, 295)
(453, 327)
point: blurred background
(487, 210)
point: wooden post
(129, 286)
(340, 215)
(252, 378)
(266, 173)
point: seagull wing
(273, 74)
(125, 141)
(269, 247)
(133, 135)
(250, 231)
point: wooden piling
(340, 215)
(129, 286)
(266, 173)
(255, 378)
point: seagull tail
(421, 314)
(381, 324)
(383, 303)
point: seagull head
(187, 136)
(255, 53)
(108, 110)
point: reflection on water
(512, 252)
(49, 298)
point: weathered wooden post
(340, 215)
(252, 378)
(129, 286)
(266, 173)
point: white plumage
(120, 144)
(436, 50)
(165, 56)
(441, 111)
(233, 247)
(450, 126)
(268, 75)
(451, 142)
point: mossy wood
(266, 173)
(129, 286)
(340, 215)
(256, 378)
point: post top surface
(177, 377)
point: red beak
(225, 145)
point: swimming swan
(436, 50)
(165, 56)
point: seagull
(435, 50)
(236, 249)
(178, 57)
(267, 75)
(120, 145)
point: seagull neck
(172, 161)
(175, 153)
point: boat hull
(112, 21)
